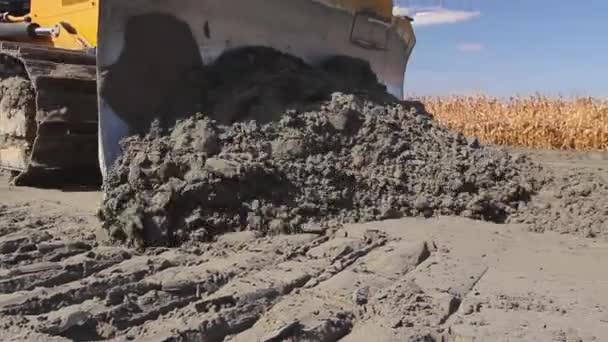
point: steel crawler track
(64, 146)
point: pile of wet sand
(569, 203)
(287, 148)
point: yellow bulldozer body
(80, 15)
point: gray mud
(17, 111)
(286, 147)
(573, 202)
(350, 158)
(261, 84)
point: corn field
(535, 122)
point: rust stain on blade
(382, 8)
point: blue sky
(515, 47)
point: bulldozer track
(239, 288)
(444, 279)
(61, 133)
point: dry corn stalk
(536, 121)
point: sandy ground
(441, 279)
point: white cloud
(435, 16)
(469, 47)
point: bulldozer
(78, 76)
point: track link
(48, 125)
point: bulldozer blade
(150, 50)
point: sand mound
(350, 158)
(285, 147)
(572, 202)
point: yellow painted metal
(82, 16)
(79, 15)
(382, 8)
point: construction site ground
(438, 279)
